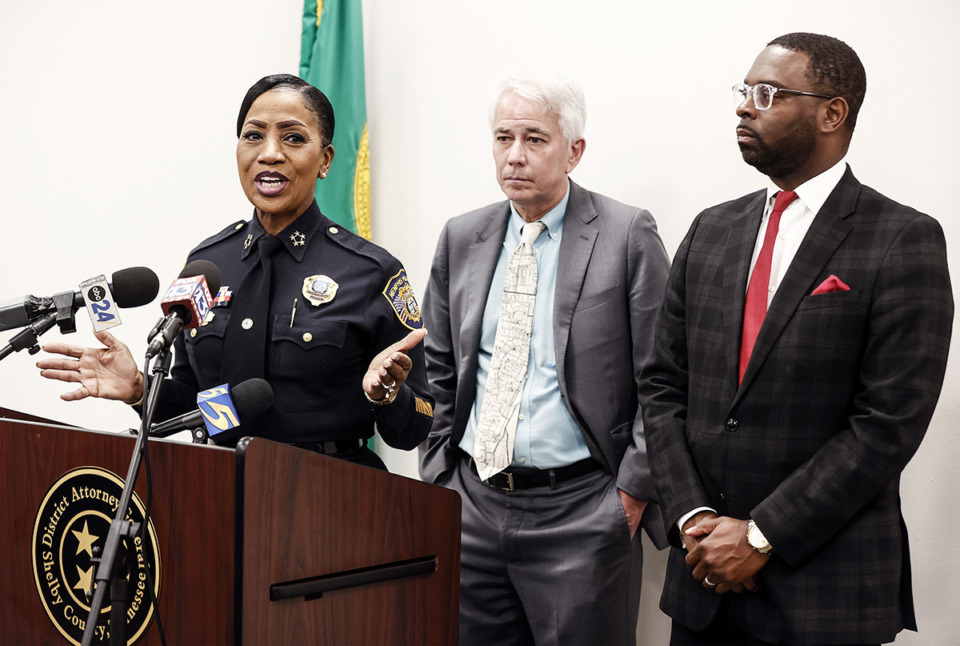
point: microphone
(185, 304)
(251, 398)
(131, 287)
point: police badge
(319, 289)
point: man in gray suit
(550, 550)
(778, 435)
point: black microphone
(185, 304)
(131, 287)
(251, 398)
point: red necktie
(756, 306)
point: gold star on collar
(298, 239)
(248, 241)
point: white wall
(118, 129)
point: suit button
(732, 425)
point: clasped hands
(719, 555)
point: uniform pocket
(312, 363)
(205, 349)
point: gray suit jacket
(838, 393)
(610, 281)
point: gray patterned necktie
(497, 427)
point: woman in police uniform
(325, 316)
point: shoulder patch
(399, 294)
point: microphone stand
(198, 435)
(27, 339)
(113, 566)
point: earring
(323, 175)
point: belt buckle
(510, 484)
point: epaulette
(359, 245)
(227, 232)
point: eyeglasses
(763, 94)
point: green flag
(331, 59)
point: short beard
(786, 156)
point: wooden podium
(268, 544)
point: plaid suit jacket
(836, 398)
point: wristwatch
(757, 540)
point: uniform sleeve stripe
(423, 407)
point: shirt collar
(814, 192)
(552, 219)
(295, 238)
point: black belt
(514, 478)
(332, 447)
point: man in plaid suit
(778, 469)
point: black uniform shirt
(337, 300)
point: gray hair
(556, 93)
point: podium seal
(71, 526)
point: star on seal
(298, 239)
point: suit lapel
(827, 231)
(576, 247)
(481, 262)
(736, 268)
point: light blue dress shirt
(547, 435)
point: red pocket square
(830, 285)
